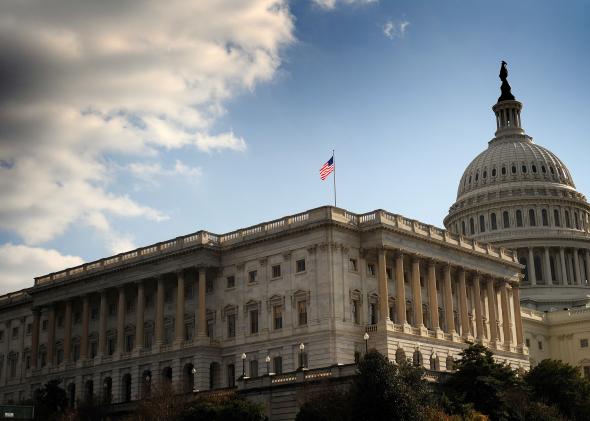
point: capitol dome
(520, 195)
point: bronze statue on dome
(505, 88)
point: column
(400, 289)
(102, 328)
(68, 332)
(463, 305)
(531, 268)
(51, 335)
(179, 320)
(587, 261)
(563, 267)
(492, 310)
(35, 338)
(7, 338)
(85, 327)
(576, 257)
(478, 312)
(417, 293)
(121, 322)
(505, 314)
(547, 261)
(159, 325)
(140, 310)
(517, 317)
(202, 319)
(449, 314)
(432, 296)
(383, 291)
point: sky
(125, 123)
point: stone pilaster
(448, 298)
(465, 329)
(139, 318)
(202, 319)
(159, 324)
(179, 319)
(400, 290)
(102, 328)
(121, 322)
(68, 332)
(85, 327)
(531, 267)
(383, 290)
(478, 310)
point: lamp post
(267, 359)
(244, 365)
(366, 338)
(194, 372)
(301, 349)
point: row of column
(574, 272)
(476, 282)
(201, 325)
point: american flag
(327, 169)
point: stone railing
(559, 316)
(318, 215)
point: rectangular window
(211, 328)
(188, 332)
(276, 271)
(587, 372)
(76, 352)
(277, 312)
(371, 269)
(277, 363)
(94, 313)
(231, 375)
(389, 273)
(14, 332)
(44, 325)
(112, 309)
(209, 285)
(77, 317)
(149, 301)
(167, 295)
(583, 343)
(373, 313)
(148, 339)
(352, 265)
(252, 276)
(129, 343)
(29, 328)
(230, 281)
(540, 343)
(231, 325)
(302, 312)
(189, 291)
(60, 321)
(253, 368)
(300, 265)
(527, 342)
(111, 346)
(93, 349)
(356, 317)
(253, 321)
(130, 306)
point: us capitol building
(316, 289)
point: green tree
(331, 404)
(50, 401)
(482, 383)
(557, 383)
(230, 409)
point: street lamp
(194, 372)
(301, 348)
(366, 338)
(244, 365)
(267, 359)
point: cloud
(150, 172)
(19, 264)
(331, 4)
(86, 86)
(393, 30)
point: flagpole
(334, 158)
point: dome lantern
(507, 109)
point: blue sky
(402, 90)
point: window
(130, 306)
(94, 312)
(277, 363)
(300, 265)
(544, 218)
(29, 328)
(577, 220)
(60, 321)
(505, 219)
(587, 371)
(514, 169)
(112, 309)
(231, 325)
(532, 218)
(211, 328)
(352, 265)
(389, 273)
(503, 170)
(493, 172)
(371, 269)
(540, 343)
(111, 345)
(209, 285)
(524, 169)
(148, 339)
(252, 276)
(534, 168)
(463, 230)
(482, 224)
(356, 311)
(44, 325)
(253, 368)
(527, 341)
(567, 219)
(230, 281)
(519, 218)
(149, 301)
(231, 375)
(189, 291)
(543, 169)
(276, 271)
(277, 315)
(584, 343)
(556, 218)
(77, 317)
(302, 312)
(76, 352)
(485, 174)
(493, 222)
(15, 333)
(471, 226)
(254, 321)
(373, 313)
(129, 342)
(93, 349)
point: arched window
(463, 231)
(493, 172)
(126, 387)
(493, 222)
(477, 176)
(471, 226)
(577, 220)
(543, 169)
(167, 375)
(503, 170)
(568, 223)
(534, 168)
(524, 169)
(146, 383)
(532, 218)
(505, 219)
(214, 371)
(485, 174)
(71, 395)
(188, 381)
(107, 390)
(519, 218)
(544, 218)
(556, 218)
(514, 169)
(482, 224)
(88, 391)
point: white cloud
(331, 4)
(19, 264)
(393, 30)
(86, 84)
(150, 172)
